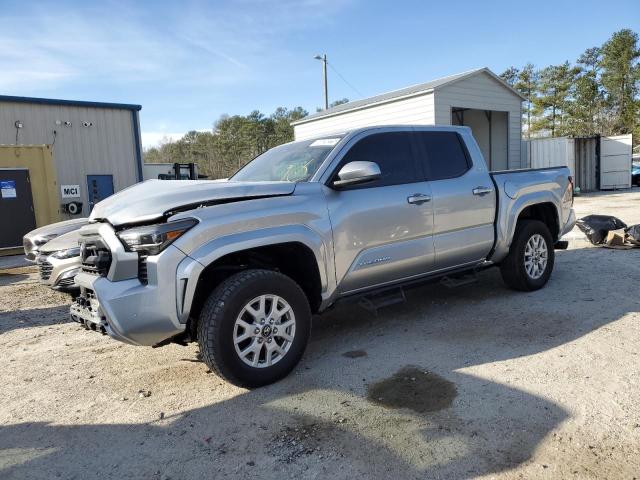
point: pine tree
(586, 110)
(620, 78)
(527, 85)
(552, 105)
(524, 81)
(510, 75)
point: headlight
(68, 253)
(152, 239)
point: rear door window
(391, 151)
(442, 155)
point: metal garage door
(615, 162)
(16, 207)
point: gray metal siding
(107, 147)
(483, 92)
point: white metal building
(479, 99)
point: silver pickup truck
(240, 266)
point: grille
(45, 268)
(142, 269)
(96, 257)
(66, 282)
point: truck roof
(436, 128)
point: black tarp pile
(608, 231)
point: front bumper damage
(128, 309)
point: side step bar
(373, 303)
(459, 280)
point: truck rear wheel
(254, 327)
(531, 257)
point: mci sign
(70, 191)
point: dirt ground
(476, 381)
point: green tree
(527, 84)
(234, 141)
(339, 102)
(334, 104)
(586, 109)
(552, 105)
(620, 77)
(510, 75)
(524, 81)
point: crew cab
(241, 265)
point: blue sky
(187, 63)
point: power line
(345, 80)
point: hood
(153, 199)
(63, 242)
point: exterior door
(99, 187)
(382, 231)
(17, 216)
(615, 162)
(464, 199)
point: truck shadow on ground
(319, 422)
(13, 276)
(37, 317)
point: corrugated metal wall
(581, 155)
(552, 152)
(586, 154)
(106, 147)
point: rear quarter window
(442, 155)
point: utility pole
(323, 59)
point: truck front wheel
(254, 327)
(531, 257)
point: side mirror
(355, 173)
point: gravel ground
(476, 381)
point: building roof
(414, 90)
(69, 103)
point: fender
(509, 212)
(192, 266)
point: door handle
(418, 198)
(482, 191)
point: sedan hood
(59, 228)
(154, 199)
(63, 242)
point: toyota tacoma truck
(240, 266)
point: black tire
(217, 323)
(513, 270)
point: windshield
(292, 162)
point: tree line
(598, 94)
(233, 142)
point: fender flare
(505, 229)
(190, 269)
